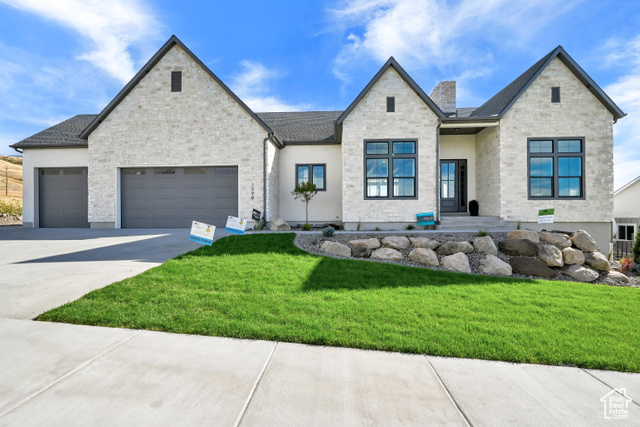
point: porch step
(475, 223)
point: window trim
(555, 177)
(633, 235)
(310, 166)
(390, 158)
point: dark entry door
(453, 185)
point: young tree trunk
(306, 207)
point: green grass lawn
(263, 287)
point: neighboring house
(176, 144)
(626, 212)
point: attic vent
(391, 104)
(176, 81)
(555, 94)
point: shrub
(306, 227)
(626, 264)
(11, 207)
(483, 233)
(636, 248)
(328, 231)
(377, 229)
(410, 227)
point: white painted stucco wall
(456, 147)
(326, 206)
(369, 120)
(202, 125)
(33, 159)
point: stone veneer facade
(369, 120)
(201, 125)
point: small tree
(305, 191)
(636, 248)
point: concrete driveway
(58, 374)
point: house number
(252, 191)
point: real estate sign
(236, 225)
(545, 216)
(202, 233)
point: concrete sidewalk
(58, 374)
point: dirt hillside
(13, 167)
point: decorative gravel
(311, 242)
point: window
(556, 168)
(176, 81)
(390, 169)
(626, 232)
(312, 173)
(555, 94)
(391, 104)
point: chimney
(444, 95)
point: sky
(59, 58)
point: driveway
(58, 374)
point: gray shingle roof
(496, 105)
(302, 126)
(64, 134)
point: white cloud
(111, 27)
(252, 86)
(437, 33)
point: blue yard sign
(236, 225)
(202, 233)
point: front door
(453, 185)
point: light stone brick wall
(488, 171)
(579, 114)
(152, 126)
(413, 119)
(444, 95)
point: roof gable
(499, 104)
(143, 72)
(392, 63)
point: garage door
(62, 197)
(174, 197)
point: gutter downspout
(264, 177)
(438, 171)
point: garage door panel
(174, 197)
(63, 197)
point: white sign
(236, 225)
(202, 233)
(545, 216)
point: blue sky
(59, 58)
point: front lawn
(263, 287)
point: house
(626, 213)
(177, 144)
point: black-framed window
(391, 169)
(626, 232)
(314, 173)
(556, 168)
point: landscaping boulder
(581, 273)
(279, 225)
(485, 245)
(449, 248)
(387, 254)
(597, 261)
(583, 241)
(559, 239)
(550, 255)
(424, 256)
(457, 262)
(372, 243)
(493, 265)
(573, 256)
(531, 267)
(618, 277)
(396, 242)
(335, 248)
(524, 234)
(518, 247)
(424, 242)
(360, 252)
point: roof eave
(173, 40)
(391, 62)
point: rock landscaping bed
(518, 253)
(9, 219)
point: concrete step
(474, 223)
